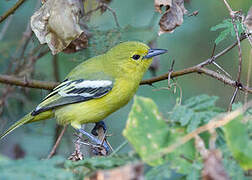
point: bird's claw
(101, 144)
(97, 126)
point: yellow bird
(95, 88)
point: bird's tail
(22, 121)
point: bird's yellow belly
(97, 109)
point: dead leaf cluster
(173, 16)
(57, 24)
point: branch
(11, 10)
(233, 17)
(197, 69)
(53, 151)
(6, 79)
(228, 7)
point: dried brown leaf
(160, 3)
(180, 3)
(248, 20)
(127, 172)
(78, 44)
(173, 17)
(57, 23)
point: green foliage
(149, 134)
(57, 167)
(232, 167)
(30, 168)
(195, 111)
(90, 165)
(229, 30)
(159, 172)
(239, 142)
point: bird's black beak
(154, 52)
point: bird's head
(133, 57)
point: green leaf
(239, 142)
(149, 134)
(227, 23)
(195, 171)
(231, 166)
(159, 172)
(146, 130)
(228, 27)
(195, 112)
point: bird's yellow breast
(97, 109)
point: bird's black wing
(74, 91)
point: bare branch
(6, 79)
(11, 10)
(228, 7)
(102, 5)
(5, 27)
(113, 13)
(233, 15)
(248, 76)
(57, 143)
(232, 99)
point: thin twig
(11, 10)
(232, 99)
(213, 52)
(191, 69)
(57, 143)
(25, 40)
(248, 76)
(217, 65)
(58, 128)
(228, 7)
(93, 10)
(119, 148)
(109, 8)
(5, 27)
(233, 18)
(223, 52)
(113, 13)
(239, 51)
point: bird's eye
(136, 57)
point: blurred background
(188, 45)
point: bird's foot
(97, 126)
(100, 146)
